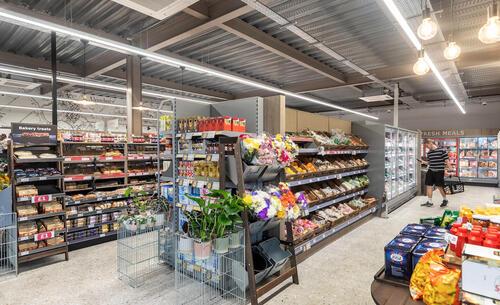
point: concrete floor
(341, 273)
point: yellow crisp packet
(420, 275)
(442, 286)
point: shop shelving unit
(478, 159)
(309, 246)
(392, 152)
(139, 163)
(49, 188)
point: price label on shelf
(42, 178)
(23, 238)
(189, 207)
(109, 198)
(24, 253)
(22, 218)
(90, 226)
(189, 136)
(215, 157)
(200, 184)
(186, 182)
(190, 157)
(43, 235)
(41, 198)
(98, 212)
(102, 235)
(210, 135)
(354, 152)
(85, 159)
(215, 185)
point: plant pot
(160, 219)
(202, 250)
(221, 245)
(150, 223)
(185, 245)
(143, 226)
(236, 239)
(130, 226)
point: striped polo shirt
(436, 159)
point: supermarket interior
(198, 152)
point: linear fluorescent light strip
(43, 97)
(94, 84)
(70, 111)
(413, 38)
(40, 25)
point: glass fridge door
(487, 164)
(468, 157)
(411, 153)
(401, 161)
(390, 163)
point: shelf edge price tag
(200, 184)
(44, 235)
(41, 198)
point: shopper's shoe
(444, 203)
(427, 204)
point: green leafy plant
(217, 216)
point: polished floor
(341, 273)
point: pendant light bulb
(421, 67)
(452, 51)
(428, 28)
(490, 32)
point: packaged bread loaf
(26, 210)
(27, 228)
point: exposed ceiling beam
(199, 10)
(254, 35)
(40, 63)
(173, 30)
(473, 92)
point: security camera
(484, 103)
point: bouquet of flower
(274, 201)
(266, 150)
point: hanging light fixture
(490, 32)
(421, 67)
(84, 101)
(452, 50)
(428, 28)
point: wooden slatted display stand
(255, 291)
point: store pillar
(274, 114)
(134, 96)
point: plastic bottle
(461, 241)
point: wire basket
(142, 253)
(204, 277)
(8, 245)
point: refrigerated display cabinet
(392, 151)
(478, 159)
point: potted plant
(228, 208)
(201, 227)
(141, 222)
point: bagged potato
(420, 275)
(442, 287)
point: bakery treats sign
(33, 134)
(443, 133)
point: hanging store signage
(443, 133)
(33, 134)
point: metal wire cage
(142, 252)
(204, 277)
(8, 244)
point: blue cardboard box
(425, 246)
(436, 233)
(415, 229)
(398, 257)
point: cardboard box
(398, 256)
(424, 246)
(481, 271)
(415, 230)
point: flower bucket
(160, 219)
(221, 245)
(236, 239)
(185, 245)
(202, 250)
(130, 226)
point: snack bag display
(420, 275)
(442, 286)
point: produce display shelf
(102, 235)
(39, 216)
(334, 201)
(141, 158)
(146, 143)
(94, 143)
(36, 179)
(68, 178)
(327, 177)
(110, 159)
(94, 225)
(25, 238)
(305, 246)
(301, 139)
(70, 202)
(345, 152)
(38, 160)
(78, 190)
(110, 176)
(141, 174)
(191, 156)
(43, 249)
(93, 213)
(109, 186)
(79, 159)
(210, 134)
(39, 198)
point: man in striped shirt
(437, 160)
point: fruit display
(333, 140)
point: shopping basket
(454, 187)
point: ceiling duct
(376, 95)
(159, 9)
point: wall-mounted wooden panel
(334, 123)
(291, 120)
(306, 120)
(274, 114)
